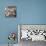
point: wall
(33, 12)
(28, 12)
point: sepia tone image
(10, 11)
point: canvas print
(33, 32)
(29, 35)
(10, 11)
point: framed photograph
(32, 32)
(10, 11)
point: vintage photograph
(10, 11)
